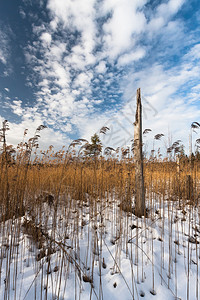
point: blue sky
(75, 66)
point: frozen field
(96, 250)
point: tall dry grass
(52, 197)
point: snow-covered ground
(97, 251)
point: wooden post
(138, 159)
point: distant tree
(94, 148)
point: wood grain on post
(138, 160)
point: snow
(100, 241)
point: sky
(75, 66)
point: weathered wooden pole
(138, 159)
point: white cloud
(123, 27)
(66, 74)
(170, 8)
(3, 57)
(101, 67)
(76, 92)
(194, 52)
(67, 128)
(54, 24)
(7, 90)
(46, 38)
(61, 74)
(156, 24)
(17, 107)
(4, 49)
(22, 13)
(47, 136)
(167, 109)
(83, 80)
(69, 12)
(38, 29)
(57, 51)
(196, 88)
(130, 57)
(77, 56)
(163, 14)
